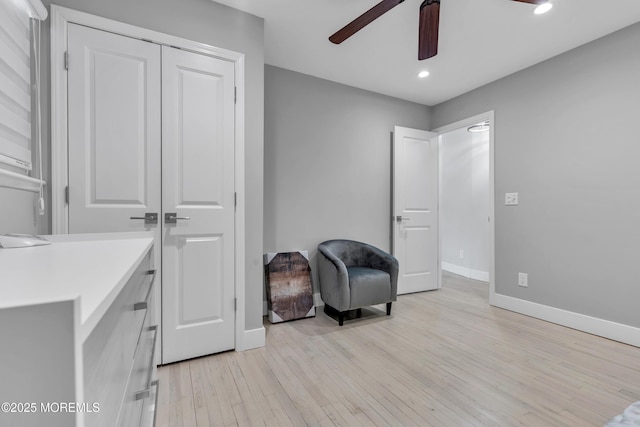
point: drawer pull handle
(145, 393)
(140, 306)
(142, 394)
(144, 304)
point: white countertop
(90, 268)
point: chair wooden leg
(388, 309)
(330, 311)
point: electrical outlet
(511, 199)
(461, 254)
(523, 279)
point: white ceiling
(480, 40)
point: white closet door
(198, 187)
(114, 131)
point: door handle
(399, 219)
(149, 218)
(172, 218)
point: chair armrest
(381, 260)
(334, 280)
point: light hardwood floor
(443, 358)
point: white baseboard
(317, 301)
(466, 272)
(254, 338)
(592, 325)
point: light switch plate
(511, 199)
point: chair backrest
(352, 253)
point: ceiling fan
(427, 30)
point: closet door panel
(198, 188)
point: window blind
(15, 85)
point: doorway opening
(466, 203)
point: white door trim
(489, 115)
(60, 18)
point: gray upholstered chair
(355, 275)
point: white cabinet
(78, 332)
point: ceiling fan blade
(532, 1)
(363, 20)
(428, 30)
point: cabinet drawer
(109, 351)
(149, 406)
(139, 387)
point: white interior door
(415, 209)
(114, 132)
(198, 188)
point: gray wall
(328, 161)
(464, 201)
(18, 212)
(566, 139)
(221, 26)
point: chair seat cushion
(368, 286)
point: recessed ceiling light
(543, 8)
(423, 74)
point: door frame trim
(488, 115)
(60, 18)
